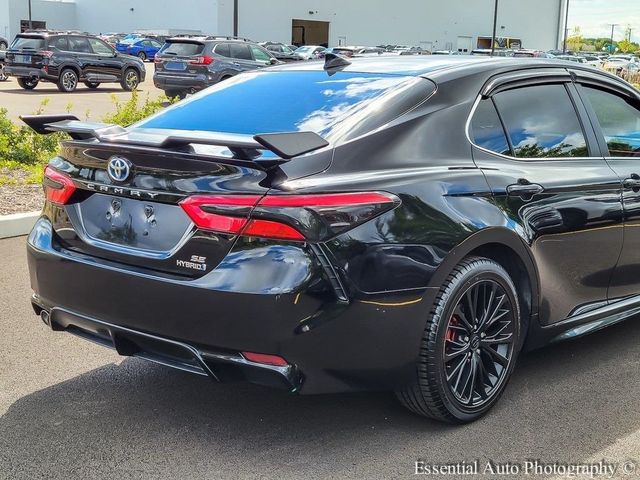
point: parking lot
(73, 409)
(83, 102)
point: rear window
(183, 49)
(296, 101)
(33, 43)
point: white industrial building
(431, 24)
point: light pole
(566, 29)
(495, 26)
(613, 25)
(30, 21)
(235, 18)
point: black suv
(69, 58)
(189, 64)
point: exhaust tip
(44, 315)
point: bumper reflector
(265, 359)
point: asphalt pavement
(70, 409)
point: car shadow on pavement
(566, 402)
(52, 90)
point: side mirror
(273, 61)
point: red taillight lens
(287, 217)
(58, 187)
(46, 53)
(203, 60)
(265, 359)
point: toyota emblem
(119, 169)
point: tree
(626, 46)
(575, 41)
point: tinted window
(240, 51)
(486, 129)
(541, 122)
(27, 42)
(296, 101)
(100, 47)
(223, 49)
(79, 44)
(260, 55)
(59, 43)
(183, 49)
(619, 120)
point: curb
(17, 224)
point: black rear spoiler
(244, 147)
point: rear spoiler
(244, 147)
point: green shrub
(129, 112)
(21, 147)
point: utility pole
(30, 20)
(235, 18)
(495, 27)
(613, 26)
(566, 29)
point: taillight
(202, 60)
(58, 187)
(157, 59)
(312, 218)
(46, 53)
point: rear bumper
(220, 366)
(187, 83)
(367, 343)
(28, 72)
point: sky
(592, 16)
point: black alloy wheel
(479, 343)
(470, 344)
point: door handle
(524, 189)
(632, 183)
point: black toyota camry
(401, 223)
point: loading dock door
(465, 44)
(309, 32)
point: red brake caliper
(451, 332)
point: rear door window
(487, 130)
(541, 122)
(59, 43)
(79, 45)
(222, 49)
(619, 121)
(183, 49)
(240, 51)
(99, 47)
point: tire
(439, 389)
(3, 76)
(28, 83)
(175, 94)
(68, 80)
(142, 56)
(3, 46)
(92, 85)
(130, 79)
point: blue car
(143, 48)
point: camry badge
(119, 169)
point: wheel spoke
(463, 318)
(453, 372)
(498, 357)
(489, 303)
(496, 315)
(455, 353)
(498, 341)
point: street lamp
(613, 25)
(566, 29)
(495, 26)
(30, 21)
(235, 18)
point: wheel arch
(509, 250)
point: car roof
(426, 65)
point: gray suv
(189, 64)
